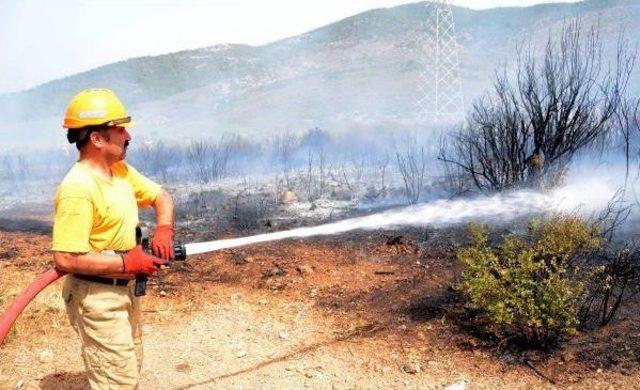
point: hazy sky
(41, 40)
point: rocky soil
(362, 311)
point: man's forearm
(92, 263)
(164, 209)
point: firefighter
(94, 238)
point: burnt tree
(208, 160)
(526, 131)
(412, 166)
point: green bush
(529, 286)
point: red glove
(162, 242)
(136, 261)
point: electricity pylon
(440, 90)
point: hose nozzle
(179, 252)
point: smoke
(584, 197)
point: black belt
(99, 279)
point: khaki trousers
(107, 319)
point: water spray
(504, 207)
(497, 208)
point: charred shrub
(252, 212)
(615, 278)
(530, 286)
(199, 204)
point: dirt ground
(363, 311)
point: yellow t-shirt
(94, 213)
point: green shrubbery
(530, 286)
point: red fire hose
(22, 300)
(9, 316)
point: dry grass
(5, 383)
(4, 296)
(7, 294)
(50, 301)
(46, 311)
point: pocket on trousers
(67, 298)
(112, 369)
(67, 291)
(105, 314)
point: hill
(362, 71)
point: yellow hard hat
(96, 107)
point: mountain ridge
(353, 72)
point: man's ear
(96, 139)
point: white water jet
(582, 197)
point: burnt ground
(371, 309)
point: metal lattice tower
(440, 87)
